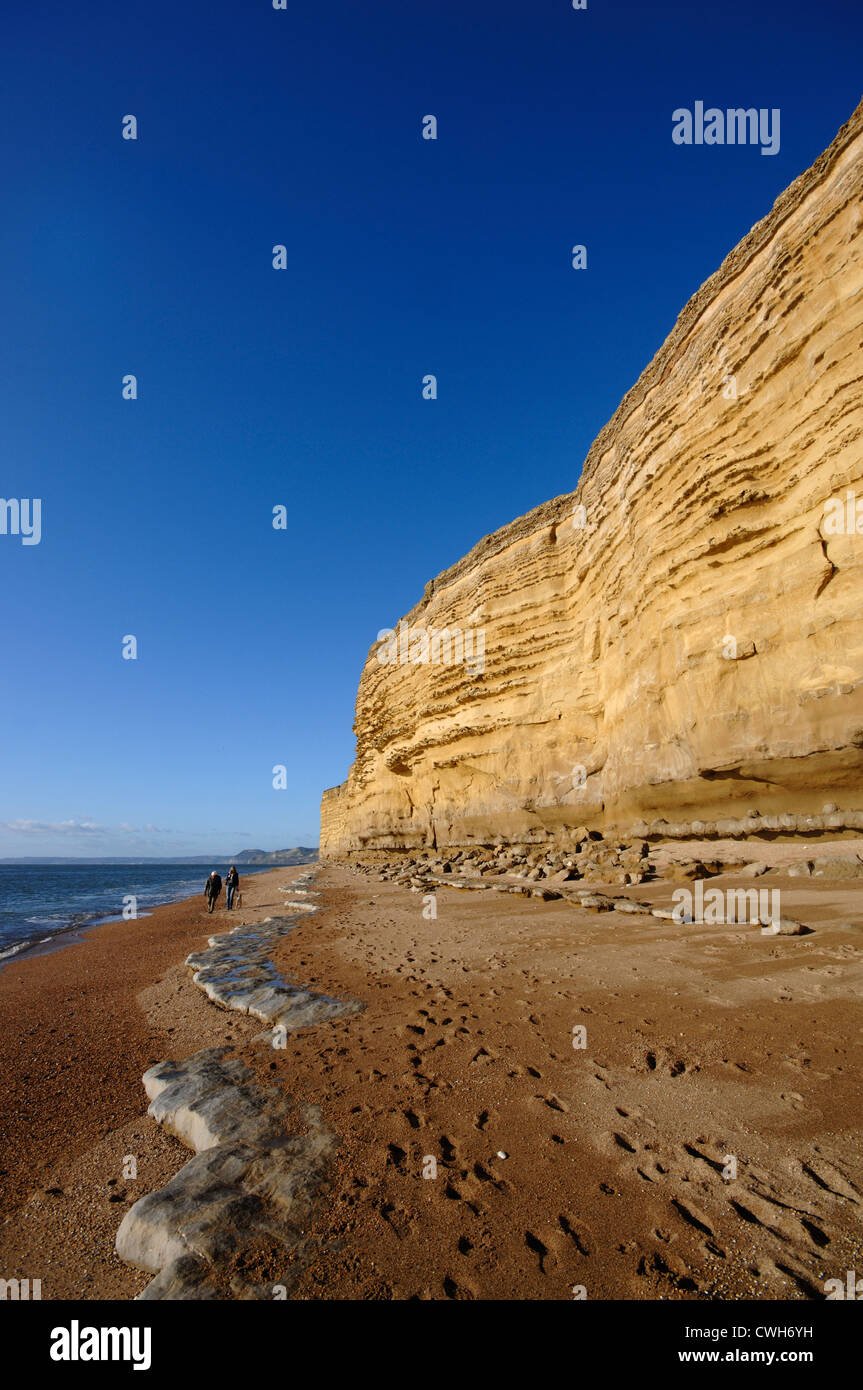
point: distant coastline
(47, 903)
(277, 858)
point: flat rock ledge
(236, 972)
(227, 1224)
(601, 902)
(752, 826)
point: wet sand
(703, 1045)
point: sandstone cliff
(681, 637)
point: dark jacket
(213, 887)
(233, 878)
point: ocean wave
(9, 951)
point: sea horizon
(53, 900)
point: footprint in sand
(554, 1103)
(793, 1098)
(483, 1056)
(652, 1171)
(693, 1216)
(829, 1179)
(778, 1273)
(458, 1290)
(578, 1234)
(759, 1211)
(396, 1158)
(668, 1063)
(398, 1220)
(633, 1113)
(667, 1268)
(485, 1176)
(449, 1153)
(711, 1152)
(546, 1259)
(623, 1141)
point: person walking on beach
(232, 883)
(213, 888)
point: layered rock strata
(680, 639)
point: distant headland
(276, 858)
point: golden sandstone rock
(680, 639)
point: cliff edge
(681, 637)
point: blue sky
(302, 387)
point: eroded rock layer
(236, 972)
(238, 1206)
(680, 638)
(236, 1210)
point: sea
(39, 903)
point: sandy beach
(79, 1026)
(485, 1147)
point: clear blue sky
(303, 387)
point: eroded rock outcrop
(229, 1224)
(236, 972)
(681, 638)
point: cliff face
(682, 636)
